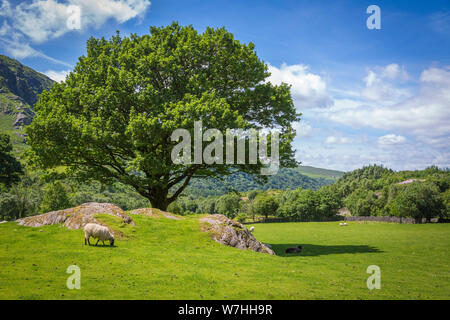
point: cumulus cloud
(424, 115)
(408, 120)
(380, 84)
(403, 156)
(391, 139)
(42, 20)
(393, 71)
(308, 90)
(57, 75)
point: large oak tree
(113, 116)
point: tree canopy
(112, 119)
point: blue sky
(367, 96)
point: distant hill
(285, 179)
(320, 173)
(19, 90)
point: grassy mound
(118, 227)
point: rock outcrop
(232, 233)
(24, 118)
(76, 218)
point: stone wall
(386, 219)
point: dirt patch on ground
(77, 217)
(232, 233)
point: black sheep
(294, 250)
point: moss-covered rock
(77, 217)
(232, 233)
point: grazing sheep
(98, 232)
(251, 229)
(345, 224)
(294, 250)
(341, 224)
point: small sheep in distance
(98, 232)
(251, 229)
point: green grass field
(169, 259)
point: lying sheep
(98, 232)
(294, 250)
(251, 229)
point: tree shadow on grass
(311, 250)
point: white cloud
(393, 71)
(380, 84)
(42, 20)
(406, 128)
(337, 140)
(391, 139)
(404, 156)
(425, 114)
(303, 129)
(308, 90)
(20, 50)
(57, 75)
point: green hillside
(17, 80)
(285, 179)
(19, 90)
(320, 173)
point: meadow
(172, 259)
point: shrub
(175, 208)
(265, 204)
(241, 217)
(55, 197)
(418, 200)
(8, 206)
(228, 205)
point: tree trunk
(159, 200)
(160, 204)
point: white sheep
(251, 229)
(98, 232)
(341, 224)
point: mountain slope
(19, 90)
(22, 81)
